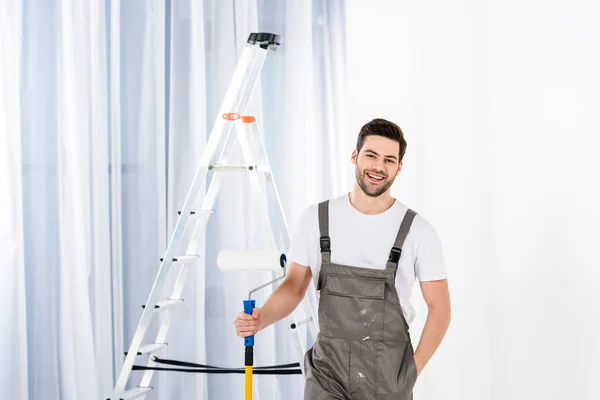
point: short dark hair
(385, 128)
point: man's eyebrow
(371, 151)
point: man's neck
(370, 205)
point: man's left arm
(437, 297)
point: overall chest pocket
(353, 306)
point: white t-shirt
(362, 240)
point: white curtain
(56, 230)
(104, 109)
(13, 345)
(499, 103)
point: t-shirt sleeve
(299, 251)
(429, 262)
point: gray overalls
(363, 350)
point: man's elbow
(441, 311)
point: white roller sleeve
(238, 260)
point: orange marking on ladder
(231, 116)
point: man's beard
(372, 191)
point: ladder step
(196, 214)
(149, 348)
(136, 392)
(184, 259)
(162, 305)
(239, 168)
(299, 323)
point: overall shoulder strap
(325, 242)
(396, 252)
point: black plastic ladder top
(265, 40)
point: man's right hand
(246, 324)
(279, 305)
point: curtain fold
(75, 341)
(100, 278)
(38, 137)
(13, 341)
(185, 141)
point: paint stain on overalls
(363, 350)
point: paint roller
(260, 260)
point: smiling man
(364, 250)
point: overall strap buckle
(395, 254)
(325, 244)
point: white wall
(499, 103)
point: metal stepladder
(193, 218)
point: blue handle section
(248, 307)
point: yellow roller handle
(248, 382)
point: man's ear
(353, 157)
(399, 168)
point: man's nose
(379, 165)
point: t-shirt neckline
(354, 210)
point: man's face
(377, 164)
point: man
(364, 251)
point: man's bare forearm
(436, 326)
(280, 304)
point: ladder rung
(184, 259)
(197, 213)
(136, 392)
(161, 305)
(149, 348)
(299, 323)
(239, 168)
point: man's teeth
(375, 177)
